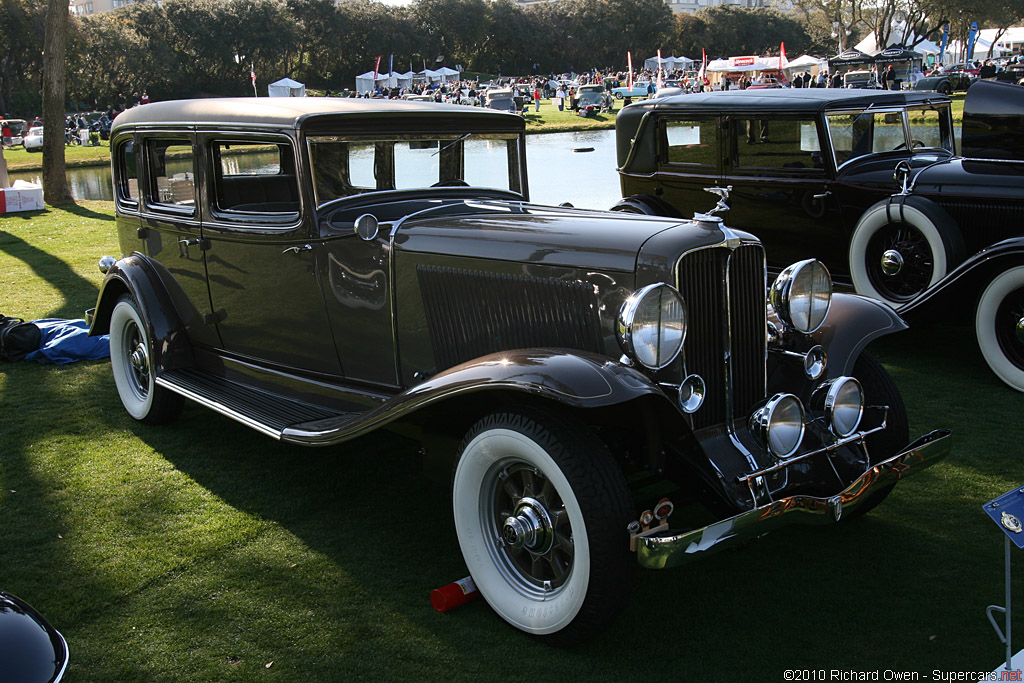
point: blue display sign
(1008, 512)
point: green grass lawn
(203, 551)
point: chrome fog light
(691, 393)
(841, 401)
(815, 362)
(780, 424)
(652, 325)
(802, 295)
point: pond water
(556, 173)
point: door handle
(188, 243)
(822, 195)
(297, 249)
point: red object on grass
(454, 594)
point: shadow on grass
(86, 212)
(77, 292)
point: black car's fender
(137, 275)
(953, 299)
(647, 205)
(853, 322)
(576, 379)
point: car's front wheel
(131, 360)
(897, 252)
(999, 326)
(541, 511)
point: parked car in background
(34, 140)
(861, 80)
(17, 128)
(502, 100)
(639, 89)
(811, 173)
(319, 268)
(594, 98)
(1011, 73)
(946, 83)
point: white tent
(431, 75)
(805, 62)
(746, 63)
(448, 74)
(667, 63)
(286, 87)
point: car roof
(291, 112)
(789, 100)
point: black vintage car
(946, 83)
(811, 173)
(318, 269)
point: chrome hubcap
(528, 527)
(140, 359)
(892, 262)
(1019, 329)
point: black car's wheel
(999, 326)
(945, 89)
(131, 354)
(646, 205)
(881, 390)
(898, 252)
(540, 511)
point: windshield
(858, 133)
(343, 166)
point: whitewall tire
(895, 254)
(999, 326)
(131, 360)
(540, 512)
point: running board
(264, 411)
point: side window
(693, 143)
(254, 177)
(784, 145)
(127, 182)
(171, 166)
(856, 134)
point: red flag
(252, 74)
(629, 79)
(702, 74)
(659, 79)
(376, 68)
(783, 62)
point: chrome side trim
(220, 408)
(676, 548)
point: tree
(55, 182)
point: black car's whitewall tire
(552, 487)
(998, 322)
(131, 360)
(898, 252)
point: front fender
(953, 298)
(574, 378)
(136, 275)
(853, 322)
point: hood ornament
(720, 207)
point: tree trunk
(55, 182)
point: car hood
(30, 649)
(971, 177)
(600, 240)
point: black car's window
(127, 178)
(858, 133)
(171, 167)
(254, 177)
(344, 166)
(691, 142)
(930, 127)
(785, 145)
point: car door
(689, 160)
(780, 182)
(261, 254)
(169, 224)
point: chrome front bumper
(672, 548)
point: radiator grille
(471, 313)
(725, 342)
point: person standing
(536, 98)
(560, 95)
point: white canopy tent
(286, 87)
(746, 63)
(448, 74)
(668, 63)
(430, 75)
(367, 83)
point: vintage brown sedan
(318, 269)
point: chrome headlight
(780, 424)
(802, 294)
(841, 401)
(652, 325)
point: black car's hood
(554, 236)
(30, 649)
(972, 178)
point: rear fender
(136, 275)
